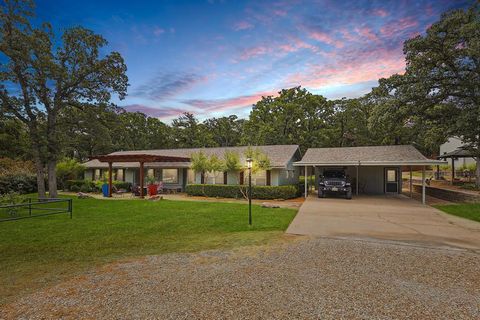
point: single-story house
(172, 166)
(372, 169)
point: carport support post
(423, 184)
(356, 187)
(141, 179)
(306, 184)
(411, 182)
(110, 179)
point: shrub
(21, 183)
(236, 191)
(78, 185)
(123, 185)
(68, 169)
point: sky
(218, 57)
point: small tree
(69, 169)
(199, 163)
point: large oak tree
(42, 75)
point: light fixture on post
(249, 166)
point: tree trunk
(53, 151)
(477, 175)
(39, 164)
(52, 178)
(40, 177)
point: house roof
(279, 155)
(369, 156)
(458, 153)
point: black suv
(334, 181)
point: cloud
(254, 52)
(154, 112)
(367, 33)
(158, 31)
(228, 103)
(325, 38)
(166, 85)
(242, 25)
(380, 12)
(398, 26)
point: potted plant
(151, 186)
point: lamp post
(249, 166)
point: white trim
(372, 163)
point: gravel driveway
(300, 279)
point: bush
(21, 183)
(123, 185)
(80, 185)
(236, 191)
(68, 169)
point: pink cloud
(380, 12)
(296, 45)
(158, 31)
(254, 52)
(325, 38)
(154, 112)
(228, 103)
(356, 67)
(367, 33)
(242, 25)
(398, 26)
(280, 12)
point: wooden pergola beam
(141, 179)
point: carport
(372, 169)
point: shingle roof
(458, 153)
(396, 154)
(279, 155)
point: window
(170, 175)
(259, 178)
(214, 177)
(190, 176)
(391, 175)
(151, 173)
(98, 174)
(120, 175)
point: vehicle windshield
(334, 174)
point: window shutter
(269, 177)
(202, 178)
(225, 177)
(241, 177)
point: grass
(43, 250)
(465, 210)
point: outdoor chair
(160, 188)
(119, 192)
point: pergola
(454, 155)
(140, 158)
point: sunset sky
(218, 57)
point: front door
(391, 180)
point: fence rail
(35, 208)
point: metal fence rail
(35, 208)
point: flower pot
(105, 189)
(152, 189)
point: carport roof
(396, 155)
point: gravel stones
(303, 279)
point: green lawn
(39, 251)
(466, 210)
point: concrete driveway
(384, 217)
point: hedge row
(236, 191)
(93, 186)
(21, 183)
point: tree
(69, 169)
(225, 131)
(189, 133)
(46, 75)
(442, 78)
(294, 117)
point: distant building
(453, 144)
